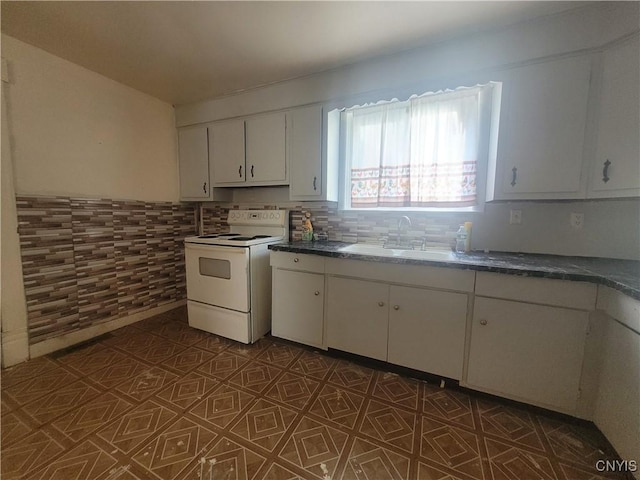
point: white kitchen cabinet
(266, 159)
(427, 330)
(305, 148)
(298, 306)
(298, 298)
(373, 310)
(226, 141)
(358, 316)
(616, 167)
(249, 152)
(617, 407)
(527, 352)
(194, 167)
(542, 131)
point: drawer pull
(296, 260)
(514, 174)
(396, 307)
(316, 293)
(381, 304)
(483, 322)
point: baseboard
(63, 341)
(15, 348)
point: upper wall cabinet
(313, 168)
(249, 152)
(266, 159)
(195, 181)
(305, 153)
(542, 131)
(616, 166)
(226, 140)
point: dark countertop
(621, 275)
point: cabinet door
(616, 170)
(542, 130)
(427, 329)
(357, 317)
(617, 412)
(305, 148)
(298, 302)
(226, 143)
(194, 164)
(266, 149)
(531, 353)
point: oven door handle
(208, 251)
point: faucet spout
(403, 224)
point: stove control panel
(257, 217)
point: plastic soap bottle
(461, 239)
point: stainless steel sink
(380, 251)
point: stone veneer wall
(86, 261)
(364, 227)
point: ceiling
(187, 51)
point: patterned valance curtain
(415, 153)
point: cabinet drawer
(561, 293)
(414, 275)
(297, 261)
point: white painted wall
(611, 228)
(77, 133)
(432, 67)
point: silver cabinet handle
(314, 184)
(204, 187)
(483, 322)
(296, 260)
(381, 304)
(316, 293)
(251, 171)
(240, 171)
(396, 307)
(514, 172)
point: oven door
(218, 276)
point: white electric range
(229, 277)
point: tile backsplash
(86, 260)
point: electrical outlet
(576, 220)
(515, 217)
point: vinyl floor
(160, 400)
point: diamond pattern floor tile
(315, 447)
(188, 390)
(61, 401)
(83, 462)
(136, 426)
(393, 426)
(172, 451)
(158, 400)
(265, 424)
(146, 383)
(28, 454)
(222, 406)
(91, 416)
(366, 460)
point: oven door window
(213, 267)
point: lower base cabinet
(297, 307)
(527, 352)
(358, 316)
(427, 330)
(418, 328)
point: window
(427, 152)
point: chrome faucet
(403, 224)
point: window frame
(489, 108)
